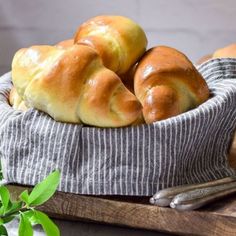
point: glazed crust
(119, 41)
(16, 101)
(204, 59)
(72, 85)
(65, 43)
(167, 84)
(229, 51)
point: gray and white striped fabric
(189, 148)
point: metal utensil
(164, 197)
(194, 199)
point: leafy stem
(14, 213)
(24, 208)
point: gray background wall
(196, 27)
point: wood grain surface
(217, 219)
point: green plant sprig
(24, 208)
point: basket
(138, 161)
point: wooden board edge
(135, 215)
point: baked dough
(228, 51)
(119, 41)
(72, 85)
(167, 84)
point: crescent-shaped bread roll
(119, 41)
(65, 43)
(228, 51)
(167, 84)
(16, 101)
(204, 59)
(72, 85)
(128, 79)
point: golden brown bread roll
(167, 84)
(72, 85)
(65, 43)
(228, 51)
(128, 79)
(204, 59)
(16, 101)
(119, 41)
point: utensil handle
(197, 198)
(165, 196)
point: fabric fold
(139, 160)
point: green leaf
(1, 175)
(5, 197)
(48, 226)
(24, 196)
(14, 206)
(44, 190)
(25, 228)
(31, 217)
(3, 230)
(8, 219)
(2, 210)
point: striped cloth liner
(189, 148)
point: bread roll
(128, 79)
(65, 43)
(229, 51)
(167, 84)
(72, 85)
(119, 41)
(204, 59)
(16, 101)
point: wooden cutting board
(217, 219)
